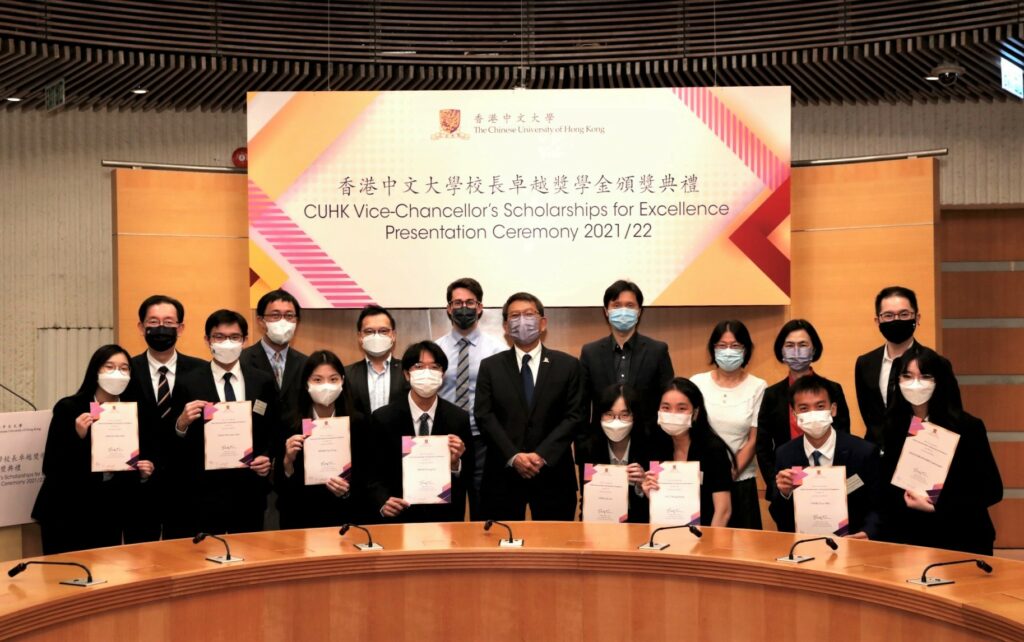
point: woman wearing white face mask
(77, 508)
(621, 442)
(686, 435)
(958, 518)
(733, 397)
(322, 396)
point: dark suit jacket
(773, 426)
(650, 370)
(869, 397)
(256, 357)
(546, 427)
(199, 495)
(387, 427)
(860, 458)
(355, 381)
(595, 451)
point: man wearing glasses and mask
(376, 380)
(278, 314)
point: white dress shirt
(237, 382)
(154, 372)
(378, 383)
(534, 364)
(827, 450)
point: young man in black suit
(278, 314)
(419, 413)
(529, 405)
(375, 380)
(876, 373)
(230, 500)
(154, 373)
(821, 445)
(625, 357)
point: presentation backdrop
(386, 197)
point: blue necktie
(817, 457)
(527, 380)
(229, 390)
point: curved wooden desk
(572, 581)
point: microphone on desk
(652, 546)
(800, 559)
(88, 580)
(505, 543)
(369, 545)
(924, 580)
(220, 559)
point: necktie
(163, 393)
(462, 376)
(277, 363)
(229, 391)
(527, 380)
(424, 425)
(817, 457)
(894, 377)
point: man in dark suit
(278, 314)
(625, 357)
(821, 445)
(376, 380)
(419, 413)
(529, 405)
(876, 373)
(154, 372)
(229, 500)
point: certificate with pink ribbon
(925, 459)
(677, 499)
(605, 493)
(327, 450)
(227, 435)
(819, 502)
(115, 436)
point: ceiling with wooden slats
(205, 54)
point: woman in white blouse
(732, 397)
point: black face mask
(464, 318)
(897, 330)
(160, 338)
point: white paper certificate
(228, 434)
(115, 436)
(605, 493)
(426, 470)
(819, 501)
(925, 459)
(327, 450)
(677, 499)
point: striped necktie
(462, 376)
(163, 393)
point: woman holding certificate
(91, 459)
(943, 474)
(678, 488)
(314, 479)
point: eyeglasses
(109, 368)
(625, 415)
(907, 377)
(384, 332)
(468, 303)
(433, 367)
(728, 346)
(277, 316)
(902, 315)
(530, 316)
(156, 323)
(220, 338)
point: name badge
(853, 482)
(259, 407)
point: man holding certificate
(828, 480)
(226, 414)
(422, 447)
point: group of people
(521, 423)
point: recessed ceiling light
(13, 99)
(139, 91)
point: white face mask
(324, 393)
(814, 423)
(917, 392)
(280, 332)
(425, 383)
(113, 383)
(674, 423)
(616, 430)
(226, 351)
(377, 345)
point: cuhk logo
(450, 120)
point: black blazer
(384, 478)
(256, 357)
(869, 397)
(650, 370)
(773, 425)
(860, 458)
(961, 521)
(355, 381)
(546, 427)
(595, 451)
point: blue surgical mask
(623, 319)
(729, 359)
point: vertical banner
(385, 197)
(22, 442)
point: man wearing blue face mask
(625, 357)
(528, 407)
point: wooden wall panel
(982, 235)
(983, 295)
(1010, 458)
(1001, 407)
(985, 351)
(1008, 516)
